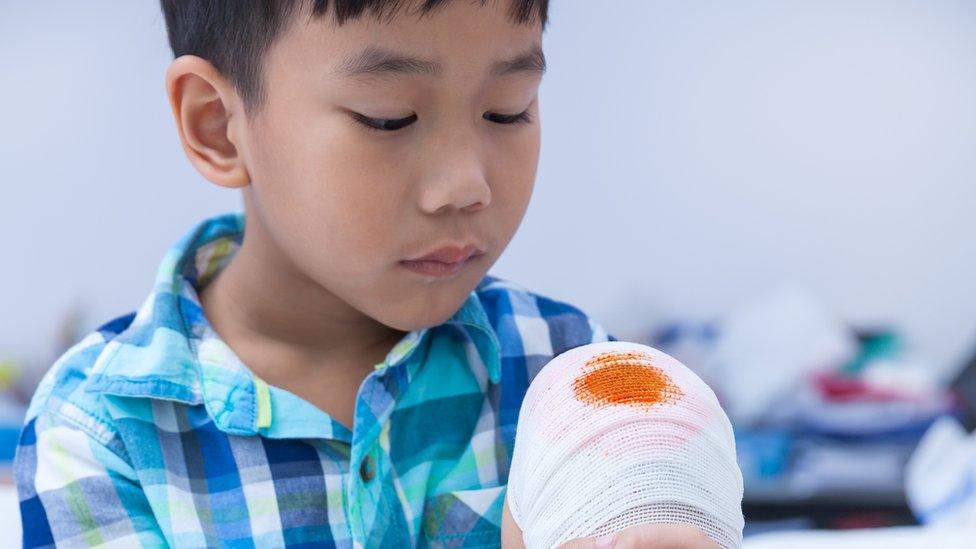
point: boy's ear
(206, 109)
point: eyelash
(523, 117)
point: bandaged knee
(614, 434)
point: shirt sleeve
(598, 332)
(74, 490)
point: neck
(272, 314)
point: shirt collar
(170, 350)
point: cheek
(368, 186)
(513, 161)
(326, 189)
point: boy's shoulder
(529, 323)
(61, 392)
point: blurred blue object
(8, 441)
(12, 414)
(763, 454)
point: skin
(316, 290)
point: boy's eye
(521, 118)
(392, 125)
(384, 125)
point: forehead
(457, 36)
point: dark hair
(233, 35)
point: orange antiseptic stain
(628, 378)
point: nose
(458, 179)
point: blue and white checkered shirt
(150, 431)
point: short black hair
(233, 35)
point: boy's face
(347, 204)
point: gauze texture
(615, 433)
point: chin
(428, 313)
(428, 305)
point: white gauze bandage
(614, 434)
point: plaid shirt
(150, 431)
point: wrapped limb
(614, 434)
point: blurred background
(779, 193)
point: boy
(333, 366)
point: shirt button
(367, 469)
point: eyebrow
(377, 61)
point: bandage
(613, 434)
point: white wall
(694, 155)
(95, 185)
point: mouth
(431, 267)
(445, 261)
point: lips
(445, 261)
(451, 254)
